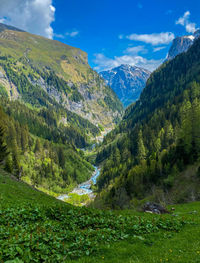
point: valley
(84, 189)
(99, 151)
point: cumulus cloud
(67, 34)
(34, 16)
(136, 50)
(184, 21)
(106, 63)
(153, 39)
(72, 34)
(59, 35)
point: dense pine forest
(39, 154)
(154, 152)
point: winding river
(84, 188)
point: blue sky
(104, 28)
(111, 32)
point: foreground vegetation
(35, 227)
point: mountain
(58, 71)
(126, 81)
(182, 44)
(154, 152)
(52, 104)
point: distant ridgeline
(155, 150)
(52, 103)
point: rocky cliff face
(126, 81)
(182, 44)
(31, 65)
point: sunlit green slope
(35, 227)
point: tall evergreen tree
(141, 148)
(3, 147)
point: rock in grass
(154, 208)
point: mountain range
(126, 81)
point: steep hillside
(127, 82)
(42, 72)
(40, 152)
(38, 228)
(153, 147)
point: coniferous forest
(148, 154)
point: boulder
(154, 208)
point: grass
(35, 227)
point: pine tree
(185, 137)
(61, 157)
(37, 146)
(16, 164)
(24, 138)
(3, 147)
(9, 164)
(141, 148)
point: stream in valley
(84, 188)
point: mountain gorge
(156, 146)
(126, 81)
(52, 104)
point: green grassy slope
(60, 71)
(35, 227)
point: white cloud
(34, 16)
(59, 35)
(105, 63)
(184, 21)
(136, 50)
(191, 27)
(154, 39)
(2, 20)
(156, 49)
(72, 34)
(67, 34)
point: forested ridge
(148, 154)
